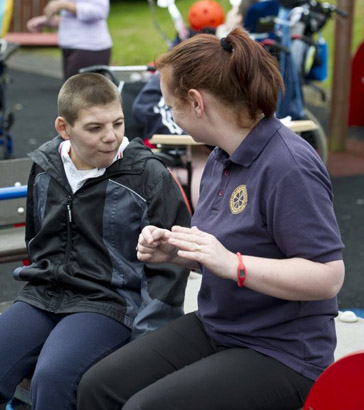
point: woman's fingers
(189, 240)
(189, 245)
(194, 230)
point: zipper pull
(69, 213)
(69, 210)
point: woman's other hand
(36, 24)
(205, 249)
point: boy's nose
(109, 136)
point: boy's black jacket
(82, 246)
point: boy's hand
(153, 245)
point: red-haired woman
(265, 237)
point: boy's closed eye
(94, 129)
(118, 124)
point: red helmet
(205, 13)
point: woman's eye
(118, 124)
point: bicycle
(6, 116)
(290, 35)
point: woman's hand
(53, 7)
(35, 24)
(289, 279)
(204, 248)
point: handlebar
(270, 43)
(325, 7)
(333, 8)
(314, 6)
(312, 13)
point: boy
(90, 193)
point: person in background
(265, 236)
(83, 34)
(90, 193)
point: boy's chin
(104, 164)
(105, 161)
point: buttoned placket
(224, 181)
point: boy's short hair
(83, 91)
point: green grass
(136, 40)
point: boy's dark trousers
(62, 347)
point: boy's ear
(196, 101)
(61, 127)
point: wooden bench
(13, 173)
(27, 39)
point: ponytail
(235, 69)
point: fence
(23, 11)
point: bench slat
(12, 244)
(26, 39)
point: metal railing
(13, 192)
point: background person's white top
(87, 30)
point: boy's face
(95, 136)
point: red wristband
(241, 271)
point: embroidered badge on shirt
(238, 199)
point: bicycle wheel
(316, 138)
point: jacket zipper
(69, 245)
(69, 228)
(69, 211)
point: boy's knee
(46, 376)
(43, 376)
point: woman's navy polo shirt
(273, 199)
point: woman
(83, 34)
(265, 237)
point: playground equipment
(6, 50)
(356, 108)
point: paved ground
(32, 97)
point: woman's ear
(196, 101)
(61, 127)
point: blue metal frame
(13, 192)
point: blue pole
(13, 192)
